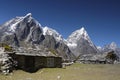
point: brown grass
(73, 72)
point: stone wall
(33, 63)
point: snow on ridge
(81, 33)
(113, 45)
(50, 31)
(78, 34)
(72, 44)
(13, 27)
(12, 24)
(29, 14)
(99, 48)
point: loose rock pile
(6, 63)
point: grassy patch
(73, 72)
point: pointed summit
(83, 32)
(80, 43)
(78, 34)
(16, 23)
(82, 29)
(113, 46)
(28, 15)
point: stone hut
(33, 60)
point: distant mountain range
(27, 32)
(111, 47)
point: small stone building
(32, 62)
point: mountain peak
(82, 29)
(12, 25)
(28, 17)
(79, 42)
(78, 34)
(113, 45)
(29, 14)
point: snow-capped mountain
(21, 29)
(27, 32)
(111, 47)
(77, 35)
(12, 25)
(80, 43)
(54, 33)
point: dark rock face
(10, 39)
(85, 48)
(59, 47)
(49, 42)
(63, 49)
(24, 29)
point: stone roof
(35, 52)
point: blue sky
(101, 18)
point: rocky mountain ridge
(27, 32)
